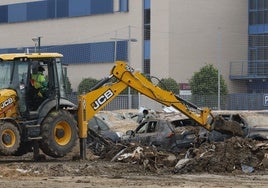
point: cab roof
(31, 56)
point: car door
(146, 132)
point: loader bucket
(227, 127)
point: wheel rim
(62, 133)
(8, 138)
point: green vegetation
(169, 84)
(205, 82)
(86, 84)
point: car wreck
(175, 132)
(162, 134)
(194, 149)
(252, 128)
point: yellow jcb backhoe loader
(33, 117)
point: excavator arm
(137, 81)
(103, 93)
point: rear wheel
(59, 133)
(10, 138)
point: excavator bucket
(227, 126)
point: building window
(42, 10)
(17, 13)
(3, 14)
(147, 37)
(147, 67)
(258, 54)
(123, 6)
(62, 8)
(102, 6)
(36, 11)
(147, 25)
(252, 4)
(99, 52)
(260, 4)
(79, 8)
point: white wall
(96, 28)
(194, 33)
(7, 2)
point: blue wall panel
(3, 14)
(17, 12)
(37, 10)
(79, 8)
(258, 29)
(42, 10)
(101, 6)
(147, 50)
(121, 51)
(101, 52)
(147, 4)
(62, 9)
(73, 53)
(123, 6)
(51, 9)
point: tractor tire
(10, 138)
(59, 133)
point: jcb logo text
(102, 99)
(6, 103)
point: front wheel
(59, 133)
(10, 138)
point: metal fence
(235, 101)
(120, 102)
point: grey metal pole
(115, 47)
(219, 63)
(129, 63)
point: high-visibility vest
(38, 80)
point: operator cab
(16, 73)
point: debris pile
(231, 156)
(234, 155)
(149, 157)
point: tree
(205, 82)
(169, 84)
(86, 84)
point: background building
(254, 72)
(84, 31)
(172, 38)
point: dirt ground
(235, 162)
(101, 173)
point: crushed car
(162, 134)
(102, 128)
(250, 124)
(186, 133)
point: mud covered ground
(235, 162)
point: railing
(120, 102)
(248, 69)
(235, 101)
